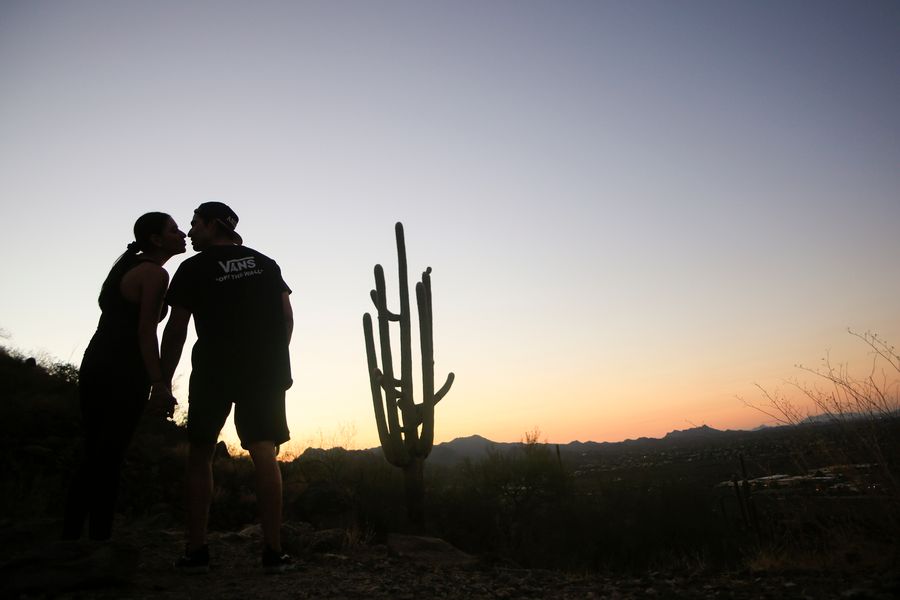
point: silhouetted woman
(120, 369)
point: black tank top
(114, 351)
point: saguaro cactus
(397, 415)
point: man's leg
(199, 492)
(268, 491)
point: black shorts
(259, 414)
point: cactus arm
(395, 451)
(444, 388)
(427, 352)
(407, 405)
(438, 396)
(391, 386)
(426, 334)
(384, 331)
(374, 377)
(390, 316)
(400, 453)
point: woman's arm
(288, 315)
(152, 284)
(174, 336)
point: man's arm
(288, 314)
(173, 339)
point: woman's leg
(79, 492)
(110, 412)
(117, 424)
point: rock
(327, 540)
(324, 504)
(861, 593)
(251, 531)
(232, 537)
(36, 451)
(296, 535)
(431, 550)
(19, 537)
(70, 565)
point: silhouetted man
(243, 317)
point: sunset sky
(634, 211)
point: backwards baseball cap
(223, 214)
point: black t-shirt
(234, 294)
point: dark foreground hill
(636, 519)
(137, 565)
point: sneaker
(276, 562)
(193, 562)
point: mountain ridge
(476, 446)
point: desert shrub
(504, 503)
(39, 424)
(41, 444)
(356, 490)
(234, 496)
(527, 506)
(851, 426)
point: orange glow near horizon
(581, 414)
(633, 214)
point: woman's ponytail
(146, 225)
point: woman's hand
(162, 403)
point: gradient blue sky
(634, 210)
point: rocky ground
(137, 564)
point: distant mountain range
(475, 446)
